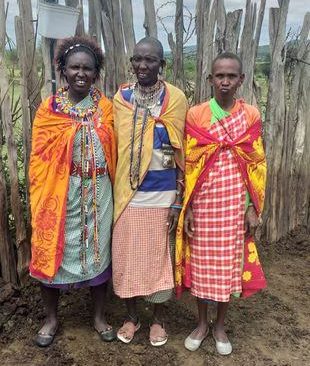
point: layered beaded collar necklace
(147, 96)
(79, 110)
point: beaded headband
(82, 46)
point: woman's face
(80, 72)
(146, 62)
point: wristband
(178, 207)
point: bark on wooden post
(119, 43)
(150, 19)
(26, 119)
(248, 47)
(220, 28)
(296, 209)
(233, 25)
(208, 51)
(127, 19)
(114, 44)
(23, 249)
(275, 117)
(47, 88)
(7, 255)
(30, 67)
(110, 85)
(94, 22)
(202, 16)
(178, 64)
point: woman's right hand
(189, 222)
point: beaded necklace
(83, 108)
(135, 161)
(82, 113)
(145, 98)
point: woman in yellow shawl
(71, 170)
(149, 122)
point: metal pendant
(168, 156)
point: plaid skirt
(219, 208)
(141, 260)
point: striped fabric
(159, 185)
(218, 208)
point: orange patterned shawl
(49, 172)
(201, 151)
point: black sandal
(107, 335)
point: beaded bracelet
(178, 207)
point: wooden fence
(286, 116)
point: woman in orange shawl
(225, 172)
(71, 173)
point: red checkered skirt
(219, 208)
(141, 259)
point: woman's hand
(251, 221)
(189, 222)
(173, 218)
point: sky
(297, 10)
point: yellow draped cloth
(49, 172)
(172, 116)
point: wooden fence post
(296, 209)
(127, 19)
(7, 255)
(150, 24)
(274, 122)
(248, 47)
(23, 248)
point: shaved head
(154, 43)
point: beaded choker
(64, 104)
(147, 96)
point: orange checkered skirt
(141, 258)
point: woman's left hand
(173, 218)
(251, 221)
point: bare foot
(220, 334)
(200, 332)
(100, 324)
(49, 326)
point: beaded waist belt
(76, 170)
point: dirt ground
(270, 329)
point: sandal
(107, 335)
(127, 332)
(158, 335)
(45, 339)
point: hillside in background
(262, 53)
